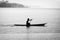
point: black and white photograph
(29, 19)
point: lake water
(39, 15)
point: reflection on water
(18, 30)
(31, 36)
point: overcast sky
(39, 3)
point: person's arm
(30, 20)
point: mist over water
(39, 15)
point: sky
(39, 3)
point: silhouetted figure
(28, 22)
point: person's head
(28, 19)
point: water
(19, 15)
